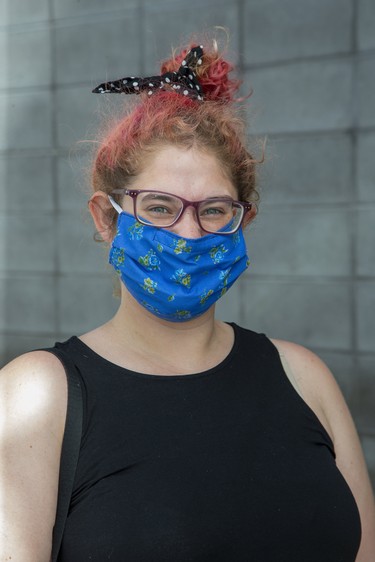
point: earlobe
(102, 213)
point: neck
(190, 346)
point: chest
(210, 472)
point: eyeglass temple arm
(115, 205)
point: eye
(158, 206)
(158, 209)
(213, 211)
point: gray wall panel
(25, 183)
(25, 120)
(82, 300)
(167, 23)
(366, 24)
(366, 167)
(308, 242)
(313, 169)
(366, 316)
(366, 91)
(74, 8)
(30, 304)
(299, 97)
(98, 51)
(21, 74)
(301, 312)
(317, 27)
(21, 12)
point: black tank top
(227, 465)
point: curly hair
(165, 118)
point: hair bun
(213, 74)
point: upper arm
(316, 384)
(33, 400)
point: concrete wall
(311, 64)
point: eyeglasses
(161, 209)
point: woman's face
(187, 173)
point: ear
(250, 215)
(102, 213)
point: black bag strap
(70, 448)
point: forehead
(190, 173)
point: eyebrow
(159, 196)
(151, 196)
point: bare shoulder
(40, 363)
(316, 384)
(34, 383)
(33, 401)
(301, 356)
(311, 377)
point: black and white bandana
(184, 81)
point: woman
(201, 441)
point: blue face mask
(175, 278)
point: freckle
(30, 446)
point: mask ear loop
(115, 205)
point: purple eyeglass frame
(133, 193)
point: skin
(34, 395)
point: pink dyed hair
(168, 118)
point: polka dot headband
(184, 81)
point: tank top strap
(70, 446)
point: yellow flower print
(135, 231)
(205, 296)
(181, 246)
(183, 314)
(217, 253)
(180, 276)
(149, 285)
(236, 238)
(224, 276)
(118, 258)
(150, 261)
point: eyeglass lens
(163, 210)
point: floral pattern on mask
(149, 285)
(182, 314)
(224, 276)
(217, 253)
(206, 295)
(236, 238)
(180, 276)
(181, 246)
(136, 231)
(118, 258)
(150, 261)
(172, 277)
